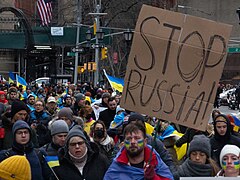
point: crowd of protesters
(68, 131)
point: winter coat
(107, 116)
(94, 169)
(41, 119)
(7, 125)
(39, 168)
(51, 149)
(162, 151)
(218, 142)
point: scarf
(79, 162)
(192, 169)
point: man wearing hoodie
(80, 159)
(22, 145)
(222, 136)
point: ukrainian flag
(116, 83)
(52, 161)
(11, 77)
(21, 81)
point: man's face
(59, 139)
(68, 101)
(22, 136)
(134, 143)
(31, 100)
(82, 102)
(20, 115)
(13, 95)
(112, 105)
(77, 146)
(221, 128)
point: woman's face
(198, 157)
(230, 163)
(77, 146)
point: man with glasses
(19, 111)
(80, 159)
(22, 145)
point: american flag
(45, 11)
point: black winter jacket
(94, 169)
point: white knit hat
(229, 149)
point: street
(226, 110)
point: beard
(134, 152)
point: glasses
(22, 132)
(73, 144)
(38, 105)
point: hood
(228, 132)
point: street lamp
(88, 35)
(128, 35)
(238, 12)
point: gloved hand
(149, 172)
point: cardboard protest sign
(174, 66)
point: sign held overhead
(174, 66)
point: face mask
(99, 133)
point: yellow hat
(15, 168)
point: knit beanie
(135, 117)
(229, 149)
(79, 97)
(200, 143)
(66, 112)
(17, 106)
(15, 168)
(20, 124)
(59, 126)
(75, 131)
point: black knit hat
(17, 106)
(79, 97)
(135, 117)
(200, 143)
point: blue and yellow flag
(21, 81)
(12, 77)
(52, 161)
(116, 83)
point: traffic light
(104, 52)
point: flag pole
(51, 169)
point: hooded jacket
(218, 142)
(39, 168)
